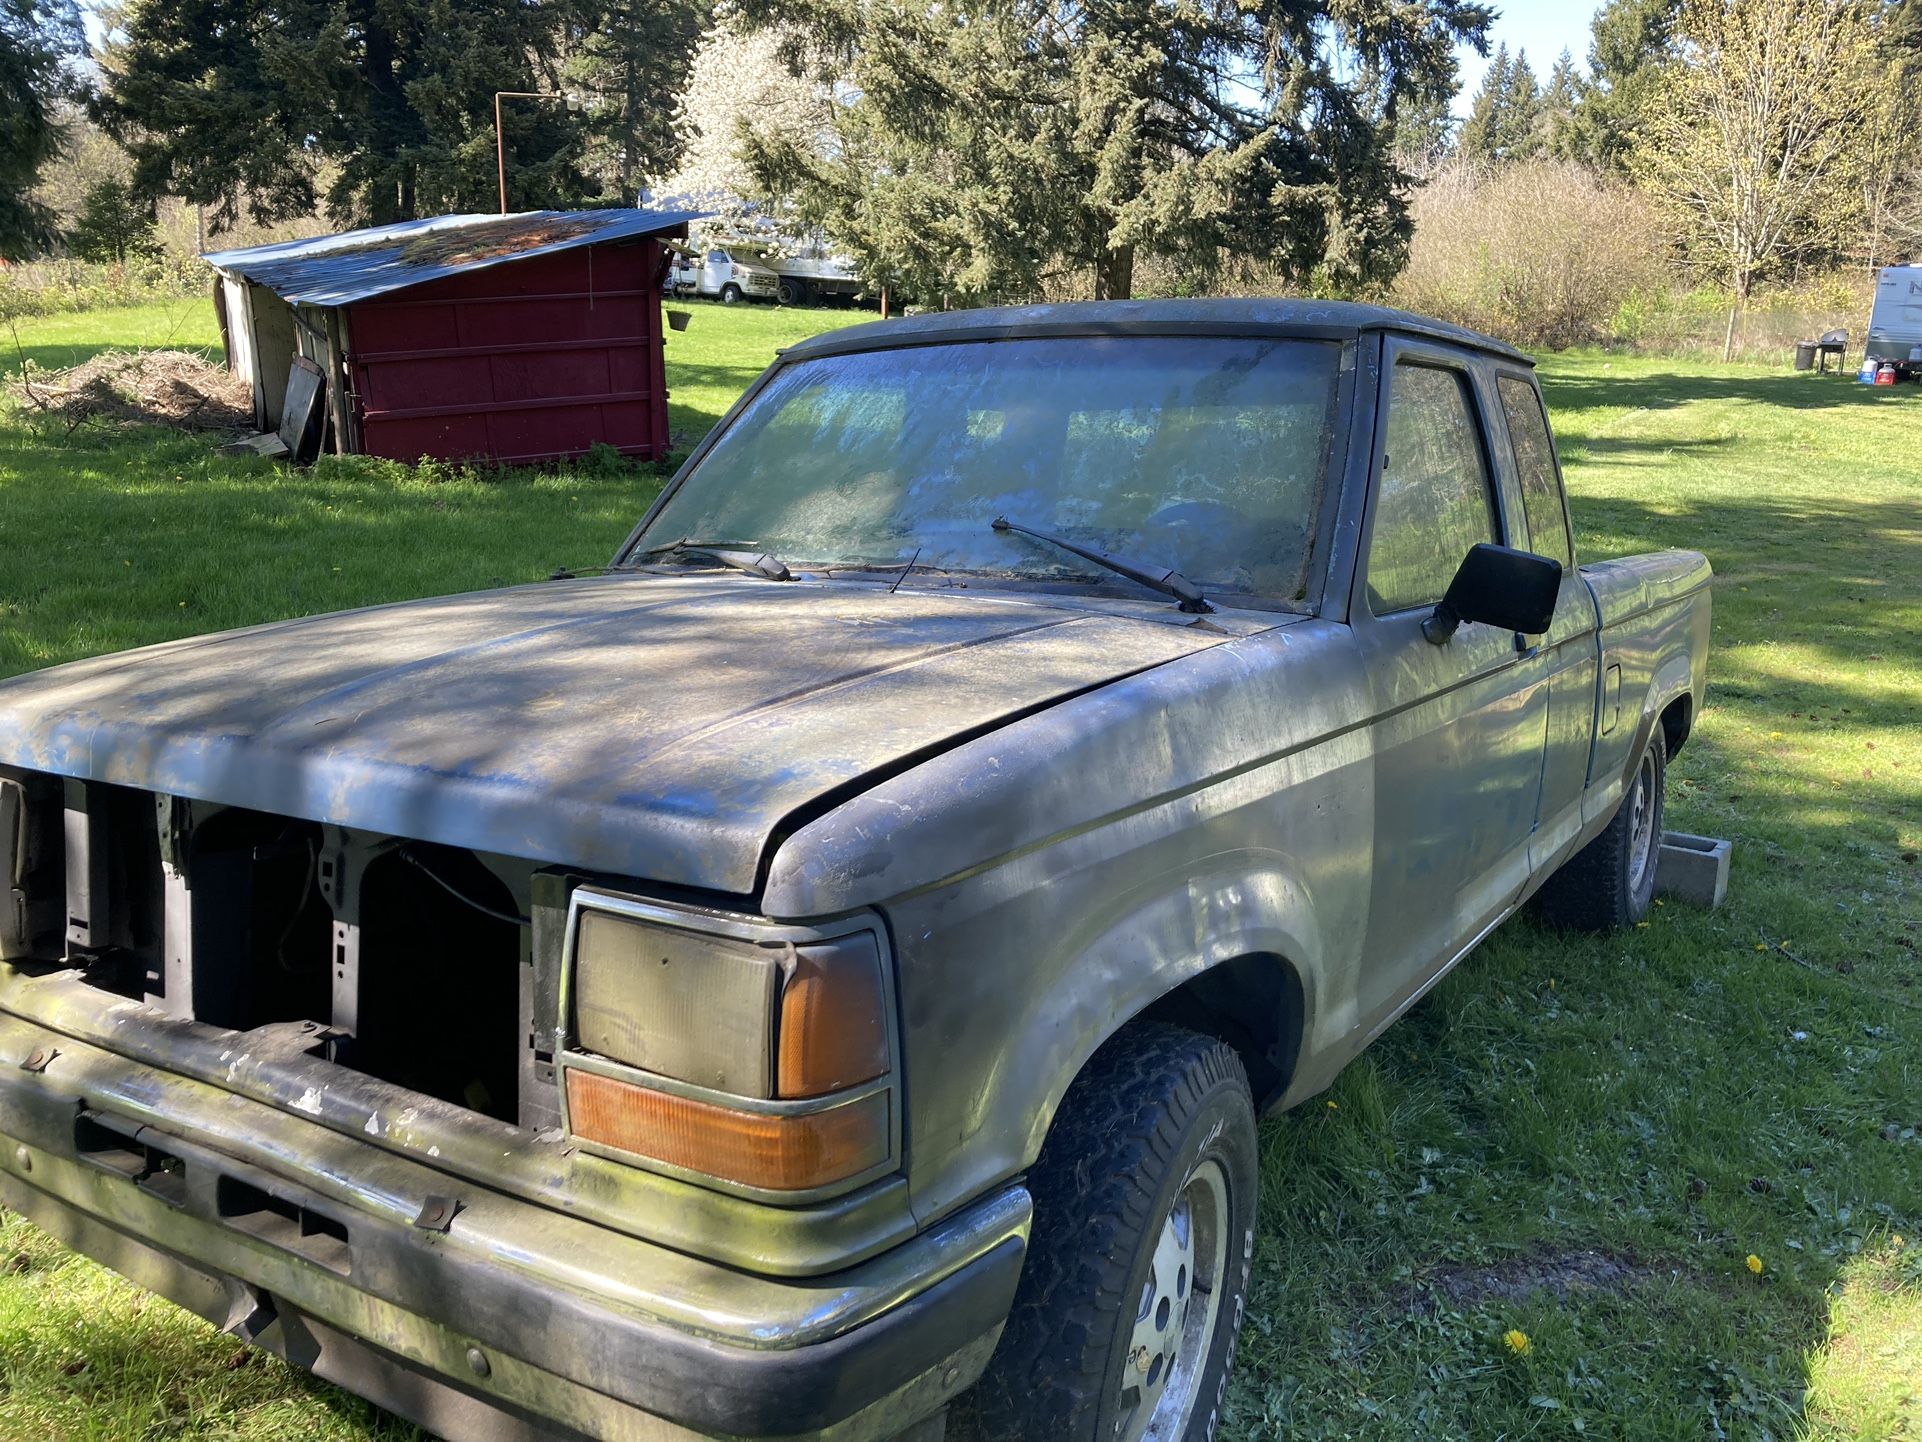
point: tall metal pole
(500, 150)
(500, 138)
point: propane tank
(1867, 374)
(1886, 375)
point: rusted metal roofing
(356, 264)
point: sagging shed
(513, 338)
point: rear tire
(1124, 1326)
(1608, 884)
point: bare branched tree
(1753, 142)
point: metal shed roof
(357, 264)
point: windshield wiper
(1157, 578)
(755, 563)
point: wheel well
(1254, 1004)
(1678, 719)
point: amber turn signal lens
(834, 1032)
(774, 1152)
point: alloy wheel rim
(1641, 822)
(1174, 1321)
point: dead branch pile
(153, 387)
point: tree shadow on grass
(1670, 390)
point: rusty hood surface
(660, 728)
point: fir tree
(1559, 98)
(1503, 124)
(632, 59)
(236, 102)
(114, 224)
(1631, 42)
(1481, 131)
(985, 147)
(37, 38)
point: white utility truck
(1895, 324)
(716, 274)
(794, 270)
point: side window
(1433, 502)
(1535, 461)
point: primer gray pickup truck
(818, 978)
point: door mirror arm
(1440, 625)
(1499, 586)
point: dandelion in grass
(1516, 1340)
(1755, 1264)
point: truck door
(1459, 728)
(1566, 658)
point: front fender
(1011, 982)
(1049, 881)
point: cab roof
(1310, 319)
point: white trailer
(1895, 324)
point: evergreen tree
(1631, 42)
(114, 224)
(1481, 131)
(1427, 135)
(1559, 98)
(238, 102)
(1504, 122)
(37, 38)
(632, 59)
(985, 145)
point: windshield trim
(1335, 478)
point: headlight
(724, 1048)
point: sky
(1541, 27)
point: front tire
(730, 294)
(1608, 884)
(1124, 1325)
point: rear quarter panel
(1654, 613)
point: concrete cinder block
(1693, 869)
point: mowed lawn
(1530, 1210)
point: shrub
(1541, 254)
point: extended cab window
(1432, 504)
(1535, 461)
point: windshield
(1204, 454)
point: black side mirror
(1498, 586)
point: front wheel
(1124, 1325)
(1609, 883)
(730, 294)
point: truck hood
(659, 728)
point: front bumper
(474, 1312)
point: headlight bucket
(742, 1054)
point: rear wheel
(1130, 1301)
(1609, 883)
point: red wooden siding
(525, 361)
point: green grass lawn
(1576, 1142)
